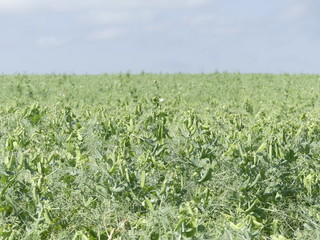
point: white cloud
(156, 27)
(213, 24)
(296, 9)
(107, 34)
(15, 5)
(48, 42)
(63, 5)
(109, 17)
(222, 31)
(196, 3)
(198, 20)
(118, 17)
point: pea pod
(117, 189)
(47, 217)
(206, 176)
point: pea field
(160, 156)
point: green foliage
(208, 156)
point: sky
(159, 36)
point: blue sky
(168, 36)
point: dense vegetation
(207, 156)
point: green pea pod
(117, 190)
(143, 179)
(206, 176)
(47, 217)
